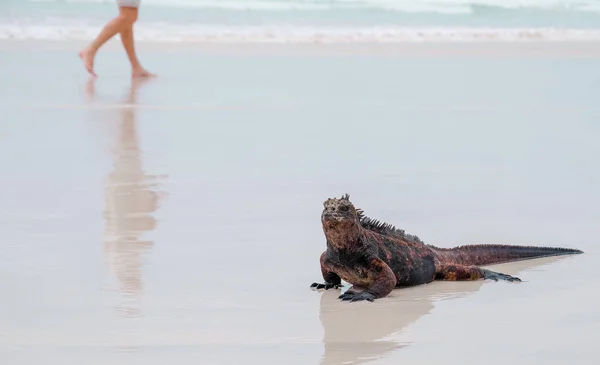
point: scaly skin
(378, 257)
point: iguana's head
(340, 221)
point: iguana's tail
(494, 254)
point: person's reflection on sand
(131, 198)
(355, 333)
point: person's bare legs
(127, 38)
(123, 24)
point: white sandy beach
(177, 220)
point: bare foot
(141, 72)
(87, 56)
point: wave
(405, 6)
(161, 32)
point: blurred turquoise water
(200, 18)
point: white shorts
(129, 3)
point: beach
(178, 219)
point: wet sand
(177, 220)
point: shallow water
(303, 20)
(179, 219)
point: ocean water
(311, 20)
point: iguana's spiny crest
(343, 209)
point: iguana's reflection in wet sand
(355, 333)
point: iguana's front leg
(381, 281)
(332, 280)
(454, 272)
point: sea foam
(293, 21)
(433, 6)
(161, 32)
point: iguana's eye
(344, 208)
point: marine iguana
(380, 257)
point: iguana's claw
(492, 275)
(349, 294)
(357, 297)
(326, 286)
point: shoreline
(569, 49)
